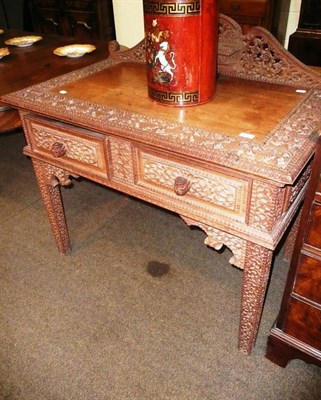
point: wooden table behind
(26, 66)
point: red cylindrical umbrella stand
(181, 38)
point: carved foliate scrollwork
(76, 149)
(256, 55)
(231, 41)
(49, 177)
(255, 280)
(122, 160)
(58, 176)
(266, 205)
(277, 157)
(216, 239)
(136, 53)
(215, 189)
(296, 189)
(263, 58)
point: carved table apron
(236, 167)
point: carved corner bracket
(217, 239)
(60, 176)
(55, 176)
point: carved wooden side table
(237, 167)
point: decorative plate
(4, 51)
(23, 41)
(74, 50)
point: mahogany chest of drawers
(297, 332)
(83, 19)
(248, 13)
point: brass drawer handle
(84, 24)
(181, 186)
(52, 21)
(58, 149)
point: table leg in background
(49, 179)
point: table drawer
(192, 188)
(69, 146)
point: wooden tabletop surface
(238, 106)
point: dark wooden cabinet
(297, 331)
(305, 42)
(83, 19)
(248, 13)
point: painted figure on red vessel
(160, 56)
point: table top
(26, 66)
(239, 106)
(263, 120)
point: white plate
(4, 51)
(74, 50)
(23, 41)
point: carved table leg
(48, 178)
(256, 263)
(255, 279)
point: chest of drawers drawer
(304, 323)
(308, 280)
(244, 8)
(83, 19)
(85, 5)
(248, 13)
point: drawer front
(318, 189)
(244, 8)
(83, 5)
(73, 147)
(304, 323)
(313, 237)
(83, 25)
(194, 188)
(47, 3)
(308, 279)
(49, 21)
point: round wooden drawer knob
(181, 186)
(58, 149)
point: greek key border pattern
(178, 98)
(171, 9)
